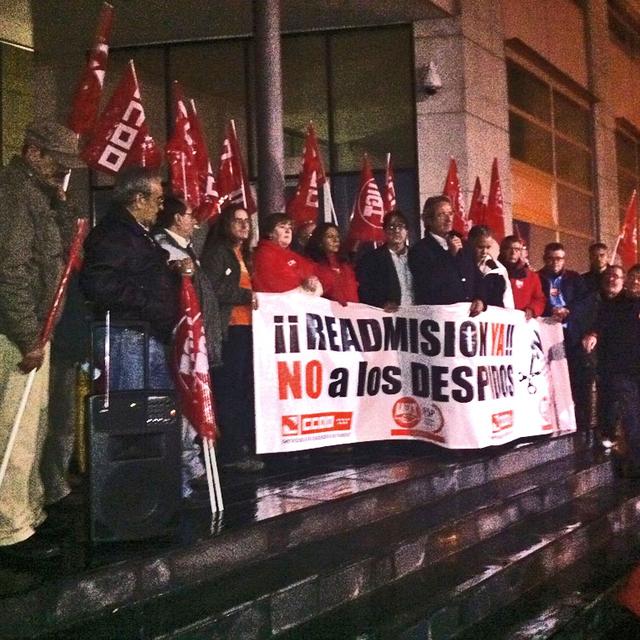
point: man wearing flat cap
(36, 226)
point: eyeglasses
(159, 199)
(241, 221)
(396, 226)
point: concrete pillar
(270, 132)
(468, 117)
(604, 126)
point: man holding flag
(36, 226)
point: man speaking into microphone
(443, 271)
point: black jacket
(377, 278)
(220, 264)
(125, 271)
(442, 278)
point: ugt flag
(477, 208)
(494, 218)
(233, 185)
(368, 210)
(121, 137)
(389, 193)
(303, 207)
(627, 247)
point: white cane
(16, 425)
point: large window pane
(530, 143)
(626, 152)
(571, 119)
(373, 103)
(573, 163)
(577, 250)
(213, 74)
(528, 92)
(304, 79)
(575, 210)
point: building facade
(550, 88)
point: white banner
(327, 374)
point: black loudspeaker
(134, 465)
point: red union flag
(181, 153)
(368, 210)
(121, 137)
(209, 206)
(477, 208)
(389, 195)
(495, 207)
(233, 185)
(86, 100)
(454, 193)
(191, 365)
(303, 207)
(627, 246)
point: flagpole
(208, 469)
(16, 425)
(216, 475)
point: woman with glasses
(276, 267)
(383, 274)
(334, 271)
(226, 259)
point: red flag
(454, 193)
(181, 154)
(627, 247)
(389, 193)
(233, 185)
(303, 207)
(121, 137)
(368, 210)
(209, 200)
(191, 365)
(86, 100)
(495, 207)
(477, 208)
(74, 263)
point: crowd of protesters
(136, 254)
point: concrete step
(293, 514)
(300, 585)
(445, 598)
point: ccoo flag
(209, 200)
(181, 153)
(494, 217)
(86, 100)
(191, 364)
(477, 208)
(303, 207)
(121, 137)
(368, 210)
(454, 193)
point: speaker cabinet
(134, 464)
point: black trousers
(233, 389)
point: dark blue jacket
(377, 278)
(442, 278)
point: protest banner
(327, 374)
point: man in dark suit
(444, 273)
(383, 274)
(565, 292)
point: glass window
(626, 152)
(528, 93)
(16, 107)
(530, 143)
(372, 93)
(304, 78)
(552, 161)
(571, 119)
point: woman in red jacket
(336, 275)
(525, 283)
(276, 267)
